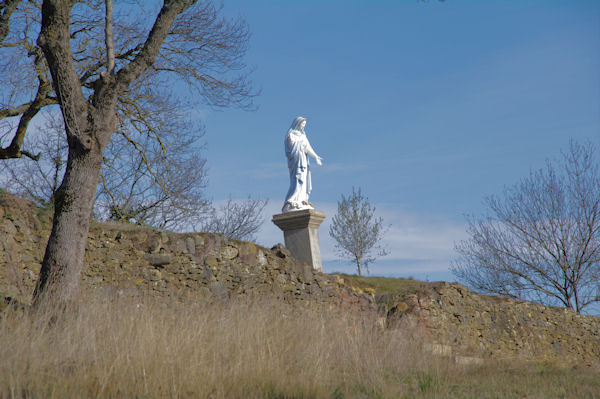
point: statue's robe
(296, 145)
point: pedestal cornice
(299, 219)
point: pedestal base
(301, 235)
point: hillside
(127, 260)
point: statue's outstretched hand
(319, 159)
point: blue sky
(427, 106)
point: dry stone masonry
(471, 326)
(123, 259)
(128, 260)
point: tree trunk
(73, 204)
(89, 123)
(359, 267)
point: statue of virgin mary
(297, 148)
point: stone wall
(123, 259)
(471, 326)
(129, 260)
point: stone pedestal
(301, 235)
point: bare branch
(108, 29)
(32, 156)
(12, 44)
(91, 70)
(147, 55)
(10, 112)
(7, 7)
(41, 100)
(239, 220)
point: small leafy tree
(356, 230)
(540, 239)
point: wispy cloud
(416, 243)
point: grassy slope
(125, 349)
(385, 285)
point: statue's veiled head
(298, 123)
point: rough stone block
(199, 241)
(190, 245)
(158, 259)
(261, 259)
(228, 253)
(211, 261)
(180, 246)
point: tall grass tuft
(127, 348)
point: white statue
(297, 148)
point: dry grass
(262, 349)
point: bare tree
(169, 193)
(540, 239)
(239, 220)
(157, 179)
(38, 179)
(65, 64)
(166, 193)
(356, 230)
(154, 183)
